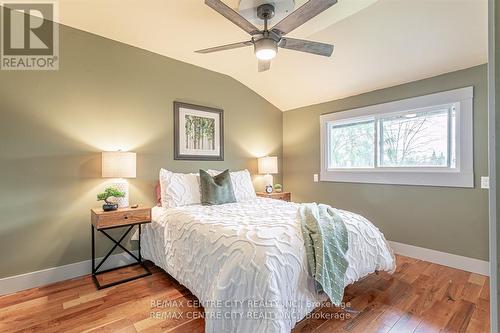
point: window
(424, 140)
(351, 145)
(418, 139)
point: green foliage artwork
(200, 133)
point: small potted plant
(278, 188)
(110, 192)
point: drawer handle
(125, 217)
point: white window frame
(461, 175)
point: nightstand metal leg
(92, 231)
(94, 271)
(139, 245)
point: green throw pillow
(216, 190)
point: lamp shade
(268, 164)
(118, 164)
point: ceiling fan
(267, 41)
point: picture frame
(198, 132)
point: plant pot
(109, 207)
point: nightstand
(121, 218)
(285, 196)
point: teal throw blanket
(326, 242)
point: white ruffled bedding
(247, 263)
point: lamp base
(122, 186)
(268, 180)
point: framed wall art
(198, 133)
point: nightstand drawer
(102, 220)
(285, 196)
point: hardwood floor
(418, 297)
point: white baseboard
(442, 258)
(15, 283)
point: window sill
(444, 178)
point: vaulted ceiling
(377, 43)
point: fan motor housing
(282, 8)
(265, 11)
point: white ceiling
(377, 43)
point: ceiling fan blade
(264, 65)
(225, 47)
(232, 16)
(301, 45)
(303, 14)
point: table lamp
(119, 165)
(268, 165)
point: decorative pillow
(242, 184)
(179, 189)
(216, 190)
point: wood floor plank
(485, 291)
(121, 324)
(321, 315)
(426, 327)
(192, 326)
(461, 318)
(477, 279)
(480, 318)
(420, 297)
(406, 324)
(471, 292)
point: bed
(246, 261)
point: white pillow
(179, 189)
(242, 184)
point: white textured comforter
(247, 263)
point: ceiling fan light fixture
(266, 49)
(266, 41)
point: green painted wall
(451, 220)
(106, 96)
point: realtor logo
(29, 36)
